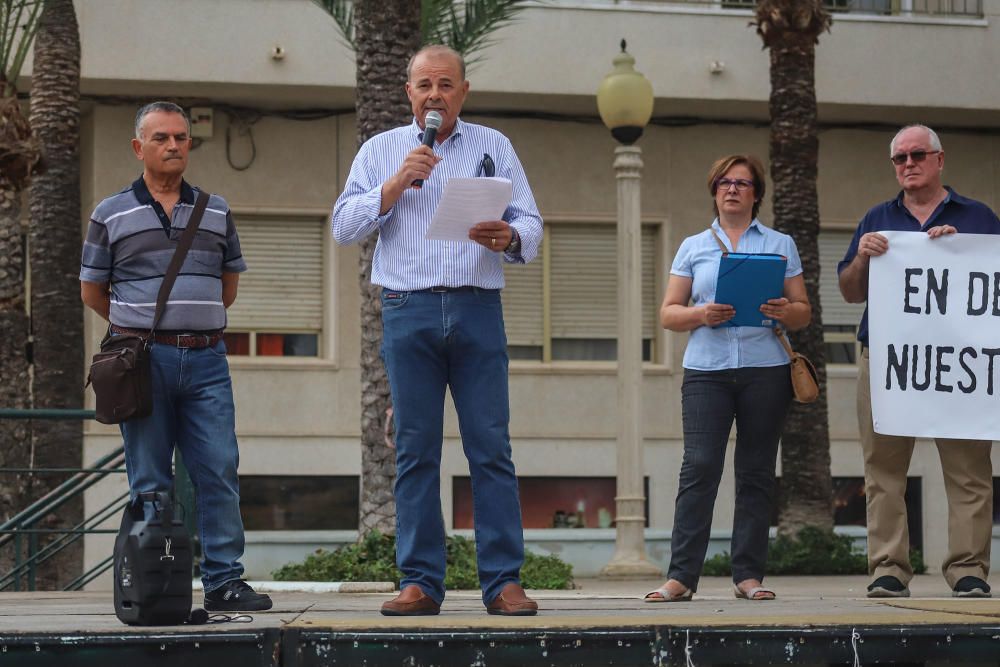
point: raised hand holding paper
(465, 202)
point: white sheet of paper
(465, 202)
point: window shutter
(585, 281)
(282, 289)
(650, 294)
(836, 311)
(523, 307)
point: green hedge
(814, 551)
(374, 559)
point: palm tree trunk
(387, 34)
(14, 387)
(14, 380)
(54, 250)
(805, 443)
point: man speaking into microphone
(432, 123)
(443, 328)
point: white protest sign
(934, 336)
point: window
(840, 319)
(970, 8)
(960, 7)
(552, 502)
(299, 502)
(279, 310)
(865, 6)
(877, 6)
(932, 7)
(564, 305)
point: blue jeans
(432, 341)
(193, 410)
(758, 399)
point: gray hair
(931, 134)
(167, 107)
(437, 49)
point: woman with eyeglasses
(731, 373)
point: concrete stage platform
(814, 621)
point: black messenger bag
(120, 372)
(152, 564)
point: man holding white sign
(924, 205)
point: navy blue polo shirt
(966, 215)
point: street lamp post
(625, 102)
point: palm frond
(434, 21)
(342, 12)
(18, 24)
(467, 26)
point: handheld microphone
(432, 121)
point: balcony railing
(952, 8)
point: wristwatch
(514, 247)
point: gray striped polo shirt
(130, 242)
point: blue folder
(746, 281)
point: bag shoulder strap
(783, 339)
(187, 238)
(722, 246)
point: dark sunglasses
(917, 156)
(486, 167)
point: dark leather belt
(437, 289)
(441, 289)
(190, 340)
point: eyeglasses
(899, 159)
(742, 184)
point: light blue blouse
(722, 348)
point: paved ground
(811, 602)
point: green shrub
(917, 562)
(461, 572)
(374, 559)
(814, 551)
(546, 572)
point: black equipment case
(152, 564)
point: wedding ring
(493, 242)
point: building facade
(272, 85)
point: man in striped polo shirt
(443, 327)
(130, 241)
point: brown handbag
(120, 372)
(805, 382)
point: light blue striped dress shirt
(723, 348)
(404, 260)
